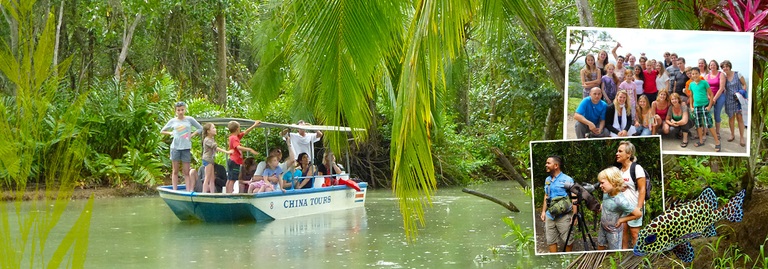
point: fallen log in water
(507, 205)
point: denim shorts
(233, 170)
(181, 155)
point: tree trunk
(585, 13)
(553, 57)
(127, 36)
(56, 42)
(508, 205)
(510, 168)
(627, 13)
(221, 60)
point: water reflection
(460, 231)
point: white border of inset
(749, 51)
(533, 191)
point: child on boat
(236, 158)
(209, 153)
(270, 179)
(615, 210)
(247, 170)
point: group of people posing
(268, 175)
(621, 210)
(658, 97)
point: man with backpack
(636, 186)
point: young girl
(590, 75)
(639, 80)
(271, 174)
(180, 128)
(615, 209)
(609, 82)
(209, 153)
(630, 87)
(645, 120)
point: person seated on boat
(277, 152)
(302, 141)
(271, 178)
(247, 171)
(329, 167)
(220, 176)
(274, 173)
(307, 169)
(291, 179)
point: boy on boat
(236, 158)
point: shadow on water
(462, 231)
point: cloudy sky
(736, 47)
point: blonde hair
(617, 97)
(666, 93)
(629, 148)
(613, 176)
(612, 74)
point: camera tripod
(582, 225)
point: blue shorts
(205, 163)
(181, 155)
(233, 170)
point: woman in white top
(662, 79)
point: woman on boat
(246, 173)
(180, 128)
(307, 169)
(329, 167)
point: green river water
(462, 231)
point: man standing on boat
(303, 142)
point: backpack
(647, 179)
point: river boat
(221, 207)
(265, 206)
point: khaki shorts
(558, 228)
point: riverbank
(99, 192)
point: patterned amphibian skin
(674, 230)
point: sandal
(684, 144)
(731, 139)
(698, 144)
(743, 144)
(717, 148)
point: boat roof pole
(266, 142)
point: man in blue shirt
(556, 227)
(590, 116)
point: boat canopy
(245, 123)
